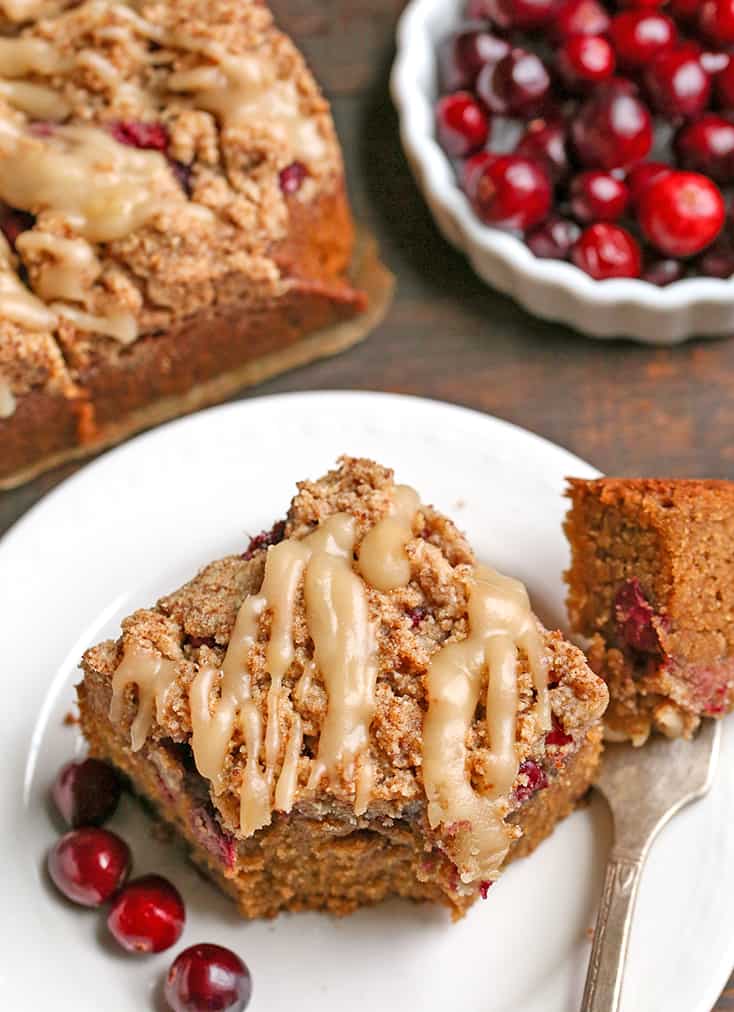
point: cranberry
(516, 86)
(484, 888)
(147, 915)
(613, 130)
(678, 85)
(635, 618)
(641, 175)
(545, 141)
(86, 793)
(554, 239)
(291, 177)
(716, 21)
(557, 736)
(718, 260)
(265, 539)
(663, 272)
(707, 145)
(137, 134)
(714, 62)
(724, 84)
(681, 213)
(512, 192)
(13, 222)
(416, 615)
(586, 58)
(472, 170)
(685, 9)
(207, 977)
(639, 36)
(581, 17)
(523, 13)
(607, 251)
(89, 865)
(462, 124)
(462, 56)
(536, 780)
(597, 196)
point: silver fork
(644, 788)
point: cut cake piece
(174, 221)
(350, 710)
(651, 587)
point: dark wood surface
(627, 409)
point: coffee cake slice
(651, 587)
(352, 709)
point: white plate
(143, 518)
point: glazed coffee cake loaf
(173, 216)
(351, 709)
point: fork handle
(611, 936)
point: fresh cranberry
(472, 169)
(635, 618)
(663, 272)
(678, 85)
(516, 86)
(581, 17)
(86, 793)
(536, 780)
(583, 58)
(554, 239)
(265, 539)
(640, 35)
(291, 177)
(707, 146)
(716, 21)
(513, 192)
(147, 915)
(89, 865)
(557, 736)
(484, 888)
(607, 251)
(598, 196)
(724, 84)
(686, 10)
(613, 130)
(545, 141)
(718, 260)
(522, 13)
(714, 62)
(137, 134)
(462, 124)
(13, 222)
(681, 213)
(207, 977)
(462, 56)
(641, 175)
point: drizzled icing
(153, 676)
(500, 623)
(7, 399)
(321, 567)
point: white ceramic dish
(548, 288)
(138, 522)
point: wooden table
(627, 409)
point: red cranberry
(462, 56)
(291, 177)
(207, 977)
(612, 131)
(265, 539)
(462, 124)
(635, 618)
(607, 251)
(86, 793)
(513, 193)
(545, 142)
(13, 222)
(639, 36)
(581, 17)
(536, 780)
(523, 13)
(707, 145)
(714, 62)
(516, 86)
(472, 169)
(140, 135)
(686, 10)
(681, 213)
(554, 239)
(718, 260)
(557, 736)
(716, 21)
(724, 84)
(89, 865)
(663, 272)
(641, 175)
(147, 915)
(584, 58)
(597, 196)
(678, 85)
(484, 888)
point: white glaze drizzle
(382, 559)
(7, 399)
(153, 676)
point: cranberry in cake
(352, 708)
(173, 218)
(651, 587)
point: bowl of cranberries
(581, 154)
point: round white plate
(137, 523)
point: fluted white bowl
(695, 307)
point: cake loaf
(173, 215)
